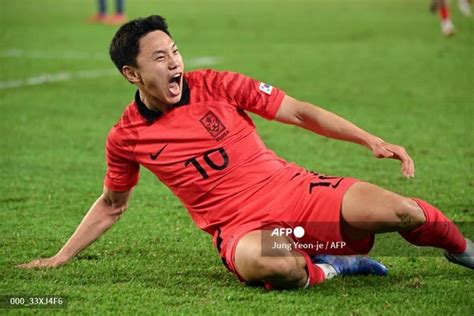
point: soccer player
(272, 222)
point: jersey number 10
(207, 159)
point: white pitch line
(56, 77)
(40, 54)
(201, 61)
(83, 74)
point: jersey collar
(151, 115)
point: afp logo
(298, 232)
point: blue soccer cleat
(466, 258)
(352, 265)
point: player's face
(160, 67)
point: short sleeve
(122, 172)
(252, 95)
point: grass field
(382, 64)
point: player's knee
(283, 272)
(279, 267)
(269, 266)
(409, 214)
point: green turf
(382, 64)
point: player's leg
(119, 12)
(257, 260)
(368, 209)
(465, 7)
(119, 16)
(101, 13)
(261, 257)
(102, 7)
(447, 27)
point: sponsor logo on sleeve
(265, 88)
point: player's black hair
(125, 47)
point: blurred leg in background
(119, 17)
(101, 14)
(465, 7)
(442, 7)
(447, 27)
(101, 17)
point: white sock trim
(329, 271)
(307, 283)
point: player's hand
(52, 262)
(382, 149)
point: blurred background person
(101, 17)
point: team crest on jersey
(265, 88)
(214, 126)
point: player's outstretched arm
(101, 216)
(328, 124)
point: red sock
(444, 13)
(438, 231)
(315, 273)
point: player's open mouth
(174, 84)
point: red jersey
(205, 148)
